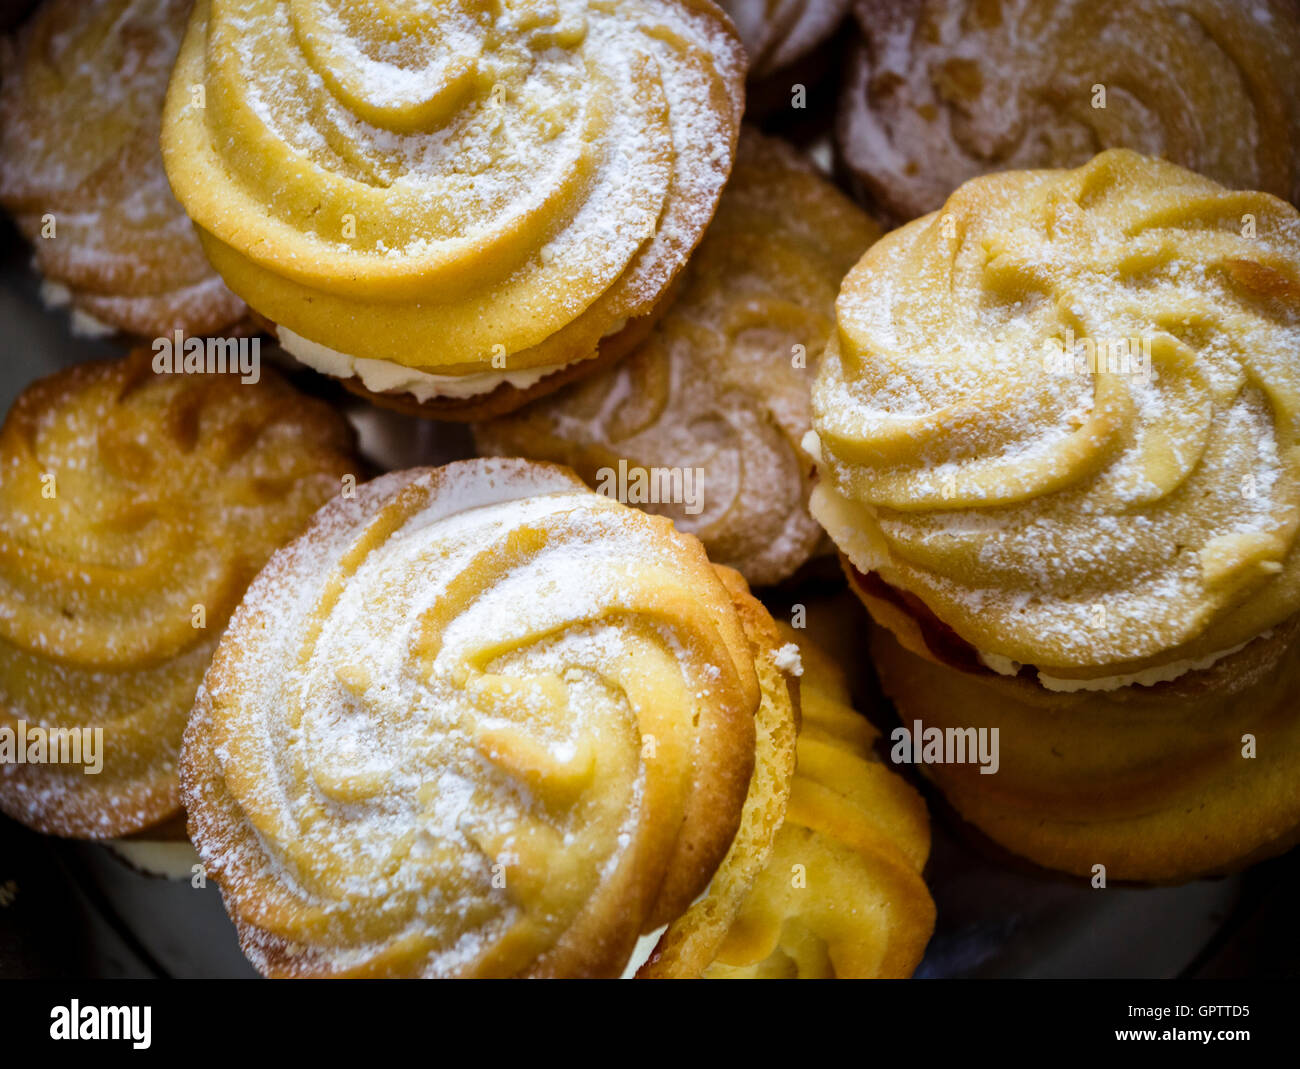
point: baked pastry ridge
(460, 218)
(478, 720)
(134, 509)
(719, 392)
(837, 891)
(1193, 777)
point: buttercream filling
(641, 952)
(384, 376)
(645, 945)
(172, 859)
(1148, 677)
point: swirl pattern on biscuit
(80, 169)
(134, 510)
(720, 390)
(478, 721)
(1063, 413)
(457, 186)
(940, 91)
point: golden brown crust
(546, 687)
(80, 169)
(1153, 782)
(828, 884)
(694, 934)
(134, 509)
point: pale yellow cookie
(1064, 414)
(477, 721)
(1059, 437)
(459, 199)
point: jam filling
(941, 640)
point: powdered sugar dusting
(80, 168)
(408, 752)
(534, 166)
(1055, 510)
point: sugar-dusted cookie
(457, 205)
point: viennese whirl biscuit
(134, 509)
(1059, 434)
(80, 170)
(456, 225)
(480, 721)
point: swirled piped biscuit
(134, 509)
(1064, 414)
(1058, 434)
(478, 720)
(452, 207)
(940, 91)
(837, 890)
(717, 397)
(80, 171)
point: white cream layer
(382, 376)
(641, 952)
(645, 946)
(172, 859)
(1148, 677)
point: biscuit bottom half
(1192, 777)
